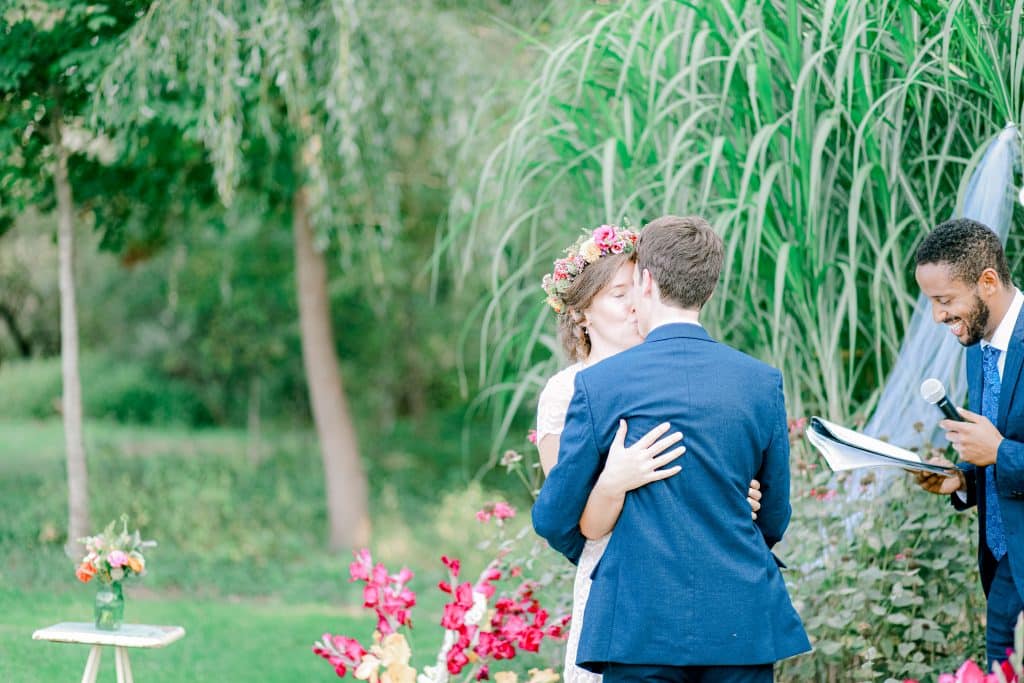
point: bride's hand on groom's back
(629, 468)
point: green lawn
(241, 563)
(225, 640)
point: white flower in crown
(590, 251)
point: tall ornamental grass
(822, 140)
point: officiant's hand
(640, 464)
(754, 497)
(976, 440)
(940, 484)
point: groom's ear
(646, 283)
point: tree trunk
(74, 442)
(347, 507)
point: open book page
(845, 449)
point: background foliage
(823, 138)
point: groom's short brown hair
(684, 257)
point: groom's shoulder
(755, 367)
(612, 367)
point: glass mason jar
(109, 609)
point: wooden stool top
(129, 635)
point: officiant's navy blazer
(1009, 461)
(688, 578)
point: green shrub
(30, 389)
(887, 583)
(114, 389)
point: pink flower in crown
(617, 247)
(117, 558)
(561, 269)
(604, 236)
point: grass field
(239, 565)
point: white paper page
(840, 457)
(858, 439)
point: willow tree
(316, 106)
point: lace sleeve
(554, 402)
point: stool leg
(124, 668)
(92, 665)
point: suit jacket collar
(1011, 371)
(680, 330)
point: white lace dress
(551, 410)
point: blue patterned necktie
(990, 409)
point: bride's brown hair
(578, 297)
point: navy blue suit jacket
(688, 578)
(1009, 474)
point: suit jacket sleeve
(562, 498)
(1010, 469)
(773, 518)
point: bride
(591, 292)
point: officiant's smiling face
(956, 303)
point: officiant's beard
(976, 321)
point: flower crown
(603, 241)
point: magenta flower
(604, 236)
(503, 510)
(360, 569)
(117, 558)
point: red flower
(370, 596)
(452, 563)
(360, 569)
(454, 617)
(457, 660)
(503, 510)
(530, 640)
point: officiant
(962, 268)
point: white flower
(476, 612)
(433, 674)
(367, 668)
(116, 573)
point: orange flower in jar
(85, 572)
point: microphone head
(932, 390)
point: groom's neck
(666, 315)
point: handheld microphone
(933, 392)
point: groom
(688, 589)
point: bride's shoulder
(562, 381)
(554, 400)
